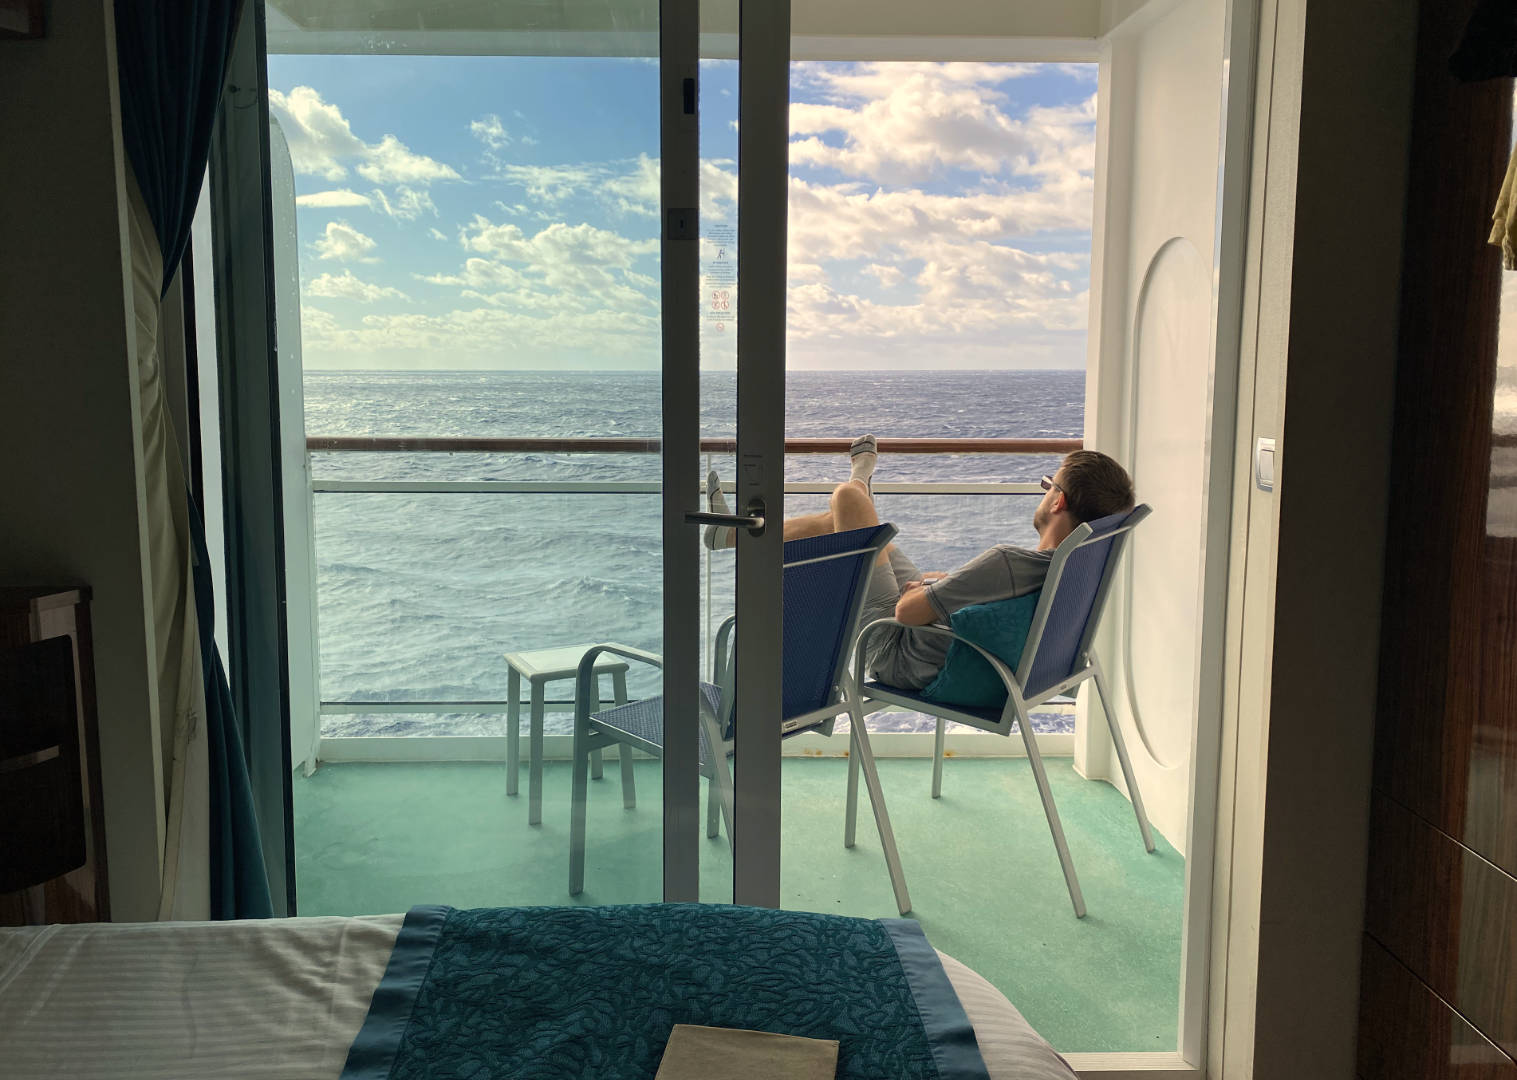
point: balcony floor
(984, 879)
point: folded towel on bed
(708, 1053)
(597, 991)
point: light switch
(1264, 465)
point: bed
(280, 998)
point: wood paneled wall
(1439, 981)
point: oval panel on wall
(1171, 379)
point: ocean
(421, 594)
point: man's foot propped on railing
(862, 457)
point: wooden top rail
(652, 446)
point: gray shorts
(882, 594)
(886, 580)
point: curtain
(171, 59)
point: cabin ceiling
(822, 28)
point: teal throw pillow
(1000, 628)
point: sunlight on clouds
(558, 248)
(322, 143)
(348, 287)
(833, 222)
(906, 123)
(331, 199)
(937, 215)
(342, 241)
(392, 163)
(483, 335)
(944, 183)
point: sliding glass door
(504, 276)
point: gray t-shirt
(911, 659)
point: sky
(502, 212)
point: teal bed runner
(496, 993)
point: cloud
(318, 136)
(627, 187)
(348, 287)
(338, 197)
(553, 183)
(391, 162)
(838, 222)
(480, 273)
(928, 181)
(559, 270)
(408, 203)
(490, 131)
(575, 258)
(322, 144)
(637, 191)
(933, 219)
(343, 242)
(484, 336)
(908, 123)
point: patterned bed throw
(498, 993)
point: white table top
(561, 662)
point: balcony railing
(614, 445)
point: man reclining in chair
(1089, 485)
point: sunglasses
(1048, 484)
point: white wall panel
(1151, 384)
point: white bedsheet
(276, 998)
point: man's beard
(1040, 518)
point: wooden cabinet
(32, 614)
(1439, 989)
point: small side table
(540, 667)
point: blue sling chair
(825, 579)
(1058, 656)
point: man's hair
(1095, 486)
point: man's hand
(913, 608)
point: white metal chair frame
(589, 736)
(1019, 704)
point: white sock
(863, 456)
(718, 536)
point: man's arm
(913, 608)
(988, 576)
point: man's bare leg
(804, 525)
(850, 507)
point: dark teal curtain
(171, 58)
(239, 881)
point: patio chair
(1058, 656)
(824, 584)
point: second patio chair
(1058, 656)
(825, 578)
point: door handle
(753, 520)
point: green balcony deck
(984, 879)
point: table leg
(513, 730)
(535, 779)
